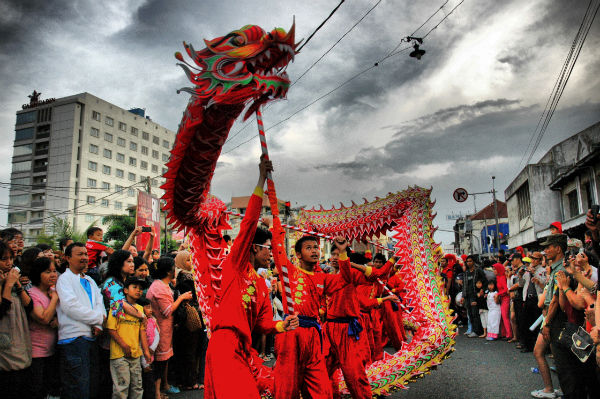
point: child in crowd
(152, 337)
(494, 312)
(482, 305)
(95, 247)
(125, 350)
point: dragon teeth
(267, 54)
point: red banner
(148, 215)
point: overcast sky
(461, 114)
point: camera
(146, 229)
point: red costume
(502, 286)
(300, 366)
(342, 331)
(243, 306)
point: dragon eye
(237, 41)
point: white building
(80, 158)
(562, 186)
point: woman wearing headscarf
(188, 339)
(504, 299)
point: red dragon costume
(246, 69)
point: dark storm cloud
(22, 20)
(484, 130)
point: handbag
(192, 320)
(577, 340)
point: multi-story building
(80, 158)
(562, 186)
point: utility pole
(148, 185)
(496, 213)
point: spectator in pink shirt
(43, 328)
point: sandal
(195, 387)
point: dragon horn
(291, 36)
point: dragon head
(244, 65)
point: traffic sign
(460, 195)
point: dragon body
(244, 70)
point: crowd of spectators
(544, 300)
(92, 321)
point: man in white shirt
(80, 314)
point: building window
(106, 185)
(144, 165)
(132, 161)
(144, 150)
(104, 203)
(17, 217)
(92, 166)
(107, 153)
(108, 137)
(164, 170)
(586, 194)
(119, 173)
(24, 134)
(118, 205)
(154, 169)
(94, 132)
(96, 116)
(26, 117)
(118, 188)
(22, 199)
(122, 126)
(523, 201)
(134, 131)
(26, 149)
(132, 146)
(155, 140)
(109, 121)
(120, 141)
(145, 135)
(165, 157)
(131, 176)
(154, 183)
(120, 157)
(91, 199)
(165, 144)
(91, 182)
(131, 192)
(573, 203)
(106, 169)
(89, 218)
(93, 149)
(155, 154)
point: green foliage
(119, 228)
(57, 229)
(171, 245)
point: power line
(336, 43)
(563, 78)
(416, 30)
(321, 25)
(99, 199)
(229, 139)
(346, 81)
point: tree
(119, 228)
(57, 229)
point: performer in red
(393, 320)
(342, 330)
(243, 306)
(300, 366)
